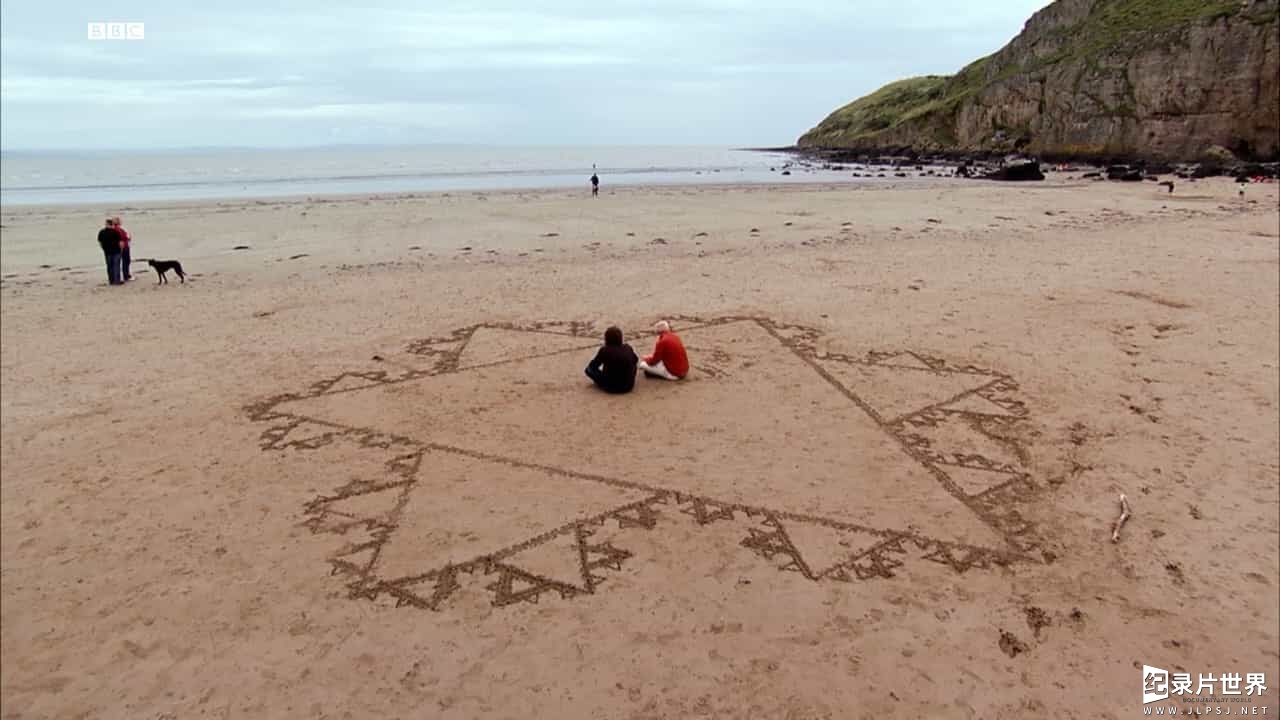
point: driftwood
(1124, 515)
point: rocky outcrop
(1017, 172)
(1156, 79)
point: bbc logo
(117, 31)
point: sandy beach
(354, 469)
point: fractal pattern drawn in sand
(897, 429)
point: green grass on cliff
(1111, 21)
(1113, 26)
(883, 108)
(1126, 26)
(896, 103)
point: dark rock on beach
(1116, 172)
(1017, 173)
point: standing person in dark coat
(595, 184)
(613, 369)
(109, 241)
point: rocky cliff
(1167, 79)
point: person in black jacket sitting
(613, 369)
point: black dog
(164, 266)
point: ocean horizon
(59, 177)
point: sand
(355, 470)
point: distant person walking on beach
(669, 361)
(109, 241)
(125, 258)
(595, 184)
(613, 369)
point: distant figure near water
(595, 184)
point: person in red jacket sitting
(669, 360)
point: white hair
(662, 326)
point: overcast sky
(549, 72)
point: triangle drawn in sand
(515, 585)
(895, 392)
(558, 559)
(823, 548)
(354, 381)
(300, 433)
(494, 345)
(905, 359)
(365, 506)
(356, 559)
(974, 481)
(406, 466)
(978, 404)
(431, 350)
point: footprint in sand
(1010, 644)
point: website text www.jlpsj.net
(1193, 709)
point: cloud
(414, 114)
(237, 72)
(82, 92)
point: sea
(92, 177)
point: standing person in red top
(669, 360)
(125, 259)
